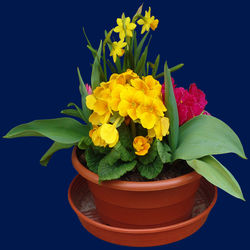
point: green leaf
(84, 94)
(152, 169)
(125, 136)
(93, 159)
(156, 66)
(140, 67)
(63, 130)
(173, 69)
(54, 148)
(164, 152)
(93, 51)
(135, 42)
(206, 135)
(217, 174)
(172, 111)
(80, 112)
(139, 48)
(125, 154)
(150, 156)
(89, 44)
(177, 67)
(96, 69)
(71, 112)
(114, 171)
(85, 142)
(111, 67)
(112, 157)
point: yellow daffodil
(117, 49)
(148, 22)
(160, 129)
(130, 101)
(141, 145)
(109, 134)
(124, 27)
(149, 111)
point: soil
(178, 168)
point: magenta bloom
(190, 103)
(89, 89)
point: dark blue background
(41, 46)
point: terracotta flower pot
(129, 204)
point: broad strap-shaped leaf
(152, 169)
(63, 130)
(96, 69)
(206, 135)
(54, 148)
(164, 152)
(217, 174)
(172, 111)
(114, 171)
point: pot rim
(133, 185)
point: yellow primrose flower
(117, 49)
(103, 92)
(97, 119)
(160, 129)
(141, 145)
(90, 101)
(139, 84)
(149, 111)
(154, 86)
(148, 21)
(124, 28)
(130, 101)
(116, 96)
(148, 85)
(109, 134)
(94, 134)
(124, 78)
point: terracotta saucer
(82, 203)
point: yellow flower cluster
(126, 95)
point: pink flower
(189, 103)
(89, 89)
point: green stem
(133, 128)
(104, 63)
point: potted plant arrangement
(144, 148)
